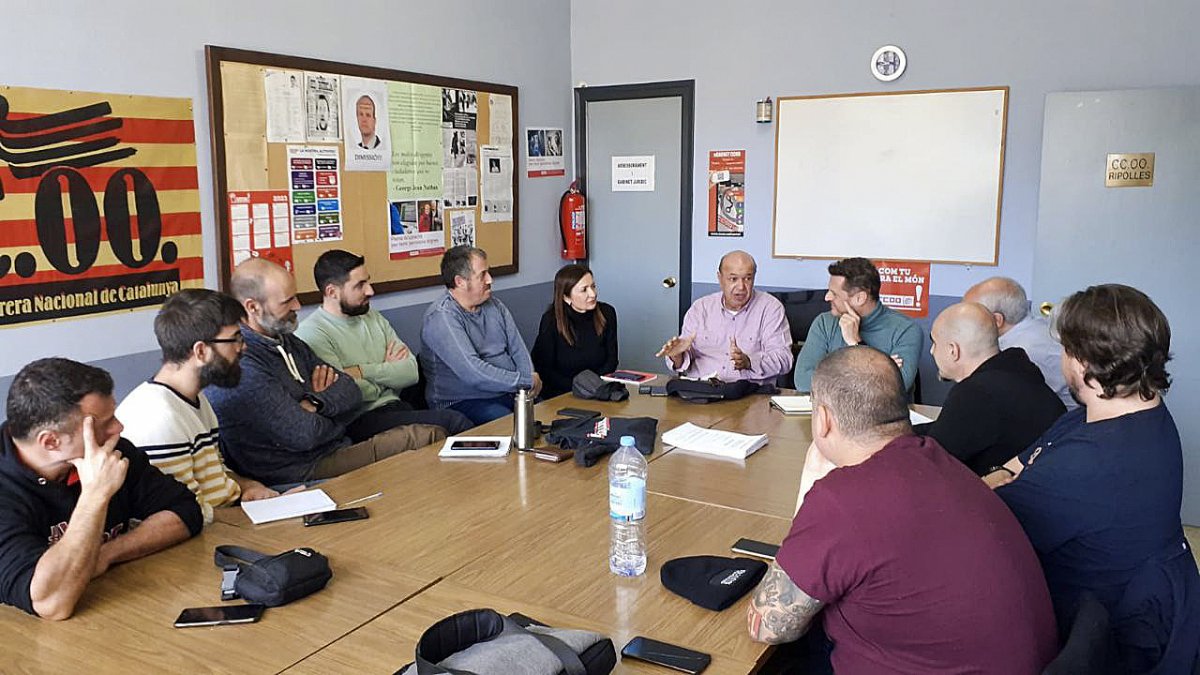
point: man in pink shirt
(736, 334)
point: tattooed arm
(779, 611)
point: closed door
(635, 237)
(1145, 237)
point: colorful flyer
(904, 286)
(415, 229)
(544, 152)
(726, 193)
(314, 181)
(260, 226)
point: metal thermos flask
(524, 424)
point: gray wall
(741, 52)
(155, 48)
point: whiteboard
(897, 176)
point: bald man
(284, 422)
(1000, 403)
(736, 334)
(1006, 300)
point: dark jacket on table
(558, 362)
(35, 512)
(996, 412)
(265, 433)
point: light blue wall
(155, 48)
(740, 52)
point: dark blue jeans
(484, 410)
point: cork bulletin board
(312, 155)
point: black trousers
(397, 413)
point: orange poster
(99, 203)
(726, 193)
(904, 286)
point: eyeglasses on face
(237, 339)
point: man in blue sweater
(472, 352)
(857, 317)
(285, 421)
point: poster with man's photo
(367, 140)
(460, 108)
(415, 229)
(544, 152)
(322, 107)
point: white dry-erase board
(914, 175)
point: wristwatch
(316, 402)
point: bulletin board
(915, 175)
(312, 155)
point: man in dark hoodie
(1000, 403)
(75, 497)
(285, 421)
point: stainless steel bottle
(524, 424)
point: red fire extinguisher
(572, 225)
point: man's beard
(221, 372)
(279, 327)
(352, 310)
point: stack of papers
(917, 418)
(499, 449)
(726, 444)
(288, 506)
(793, 405)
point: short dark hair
(860, 275)
(47, 392)
(193, 315)
(457, 263)
(864, 390)
(1122, 337)
(334, 267)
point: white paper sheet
(288, 506)
(285, 106)
(495, 182)
(504, 441)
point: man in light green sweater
(347, 334)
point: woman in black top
(577, 333)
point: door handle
(670, 282)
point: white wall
(740, 52)
(157, 48)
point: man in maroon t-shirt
(919, 567)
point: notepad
(792, 405)
(288, 506)
(917, 418)
(725, 444)
(498, 451)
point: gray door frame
(686, 91)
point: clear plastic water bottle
(627, 471)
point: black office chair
(1090, 649)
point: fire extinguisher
(572, 225)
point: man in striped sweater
(169, 417)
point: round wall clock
(888, 63)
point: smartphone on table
(336, 516)
(667, 655)
(219, 616)
(758, 549)
(475, 445)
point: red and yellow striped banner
(99, 203)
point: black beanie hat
(588, 385)
(711, 581)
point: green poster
(415, 117)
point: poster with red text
(726, 193)
(99, 203)
(904, 286)
(260, 226)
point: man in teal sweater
(347, 334)
(856, 317)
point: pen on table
(360, 500)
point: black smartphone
(475, 445)
(219, 616)
(337, 516)
(758, 549)
(667, 655)
(658, 391)
(644, 388)
(578, 413)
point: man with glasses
(170, 418)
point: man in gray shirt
(1009, 306)
(472, 352)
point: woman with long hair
(578, 332)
